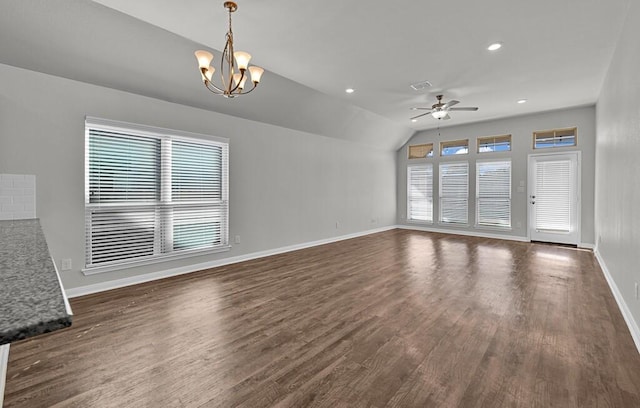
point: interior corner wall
(521, 129)
(617, 217)
(286, 187)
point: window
(152, 193)
(554, 188)
(454, 147)
(421, 151)
(555, 138)
(420, 193)
(493, 193)
(454, 193)
(494, 144)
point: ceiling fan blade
(419, 116)
(446, 117)
(450, 104)
(420, 108)
(464, 109)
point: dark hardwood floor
(399, 319)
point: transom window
(152, 193)
(494, 144)
(454, 147)
(555, 138)
(421, 151)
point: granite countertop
(31, 298)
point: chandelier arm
(250, 90)
(213, 88)
(225, 58)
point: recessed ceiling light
(349, 90)
(494, 46)
(522, 101)
(414, 120)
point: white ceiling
(555, 54)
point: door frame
(578, 156)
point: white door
(554, 197)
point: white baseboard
(622, 305)
(463, 232)
(134, 280)
(4, 359)
(585, 245)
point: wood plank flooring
(395, 319)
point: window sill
(153, 260)
(419, 222)
(454, 224)
(493, 228)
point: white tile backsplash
(17, 196)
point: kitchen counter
(32, 301)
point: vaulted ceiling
(555, 55)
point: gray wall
(521, 128)
(618, 164)
(286, 187)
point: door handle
(532, 196)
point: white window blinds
(493, 193)
(454, 192)
(553, 195)
(420, 193)
(152, 193)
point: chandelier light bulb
(256, 73)
(239, 82)
(204, 58)
(242, 59)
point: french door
(554, 197)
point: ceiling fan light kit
(233, 66)
(439, 114)
(441, 110)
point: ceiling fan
(441, 110)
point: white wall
(286, 187)
(521, 128)
(617, 217)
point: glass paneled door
(554, 197)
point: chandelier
(232, 81)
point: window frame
(409, 167)
(165, 136)
(480, 139)
(554, 137)
(478, 198)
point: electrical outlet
(637, 293)
(237, 240)
(518, 225)
(337, 224)
(66, 264)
